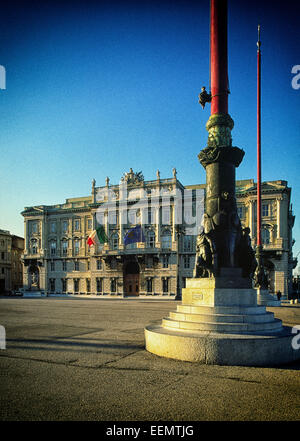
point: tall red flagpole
(218, 57)
(259, 244)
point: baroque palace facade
(58, 260)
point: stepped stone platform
(220, 322)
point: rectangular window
(165, 284)
(186, 261)
(64, 248)
(64, 265)
(115, 241)
(265, 235)
(52, 284)
(265, 210)
(34, 227)
(76, 246)
(149, 262)
(88, 265)
(166, 241)
(52, 227)
(65, 226)
(187, 243)
(77, 225)
(151, 239)
(76, 285)
(89, 224)
(99, 264)
(165, 261)
(149, 285)
(113, 285)
(64, 285)
(52, 266)
(53, 248)
(88, 285)
(76, 266)
(99, 285)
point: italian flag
(97, 235)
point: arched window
(114, 241)
(166, 240)
(151, 239)
(64, 247)
(53, 247)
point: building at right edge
(277, 223)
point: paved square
(84, 359)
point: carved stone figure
(246, 254)
(203, 262)
(260, 278)
(132, 178)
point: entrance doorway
(132, 279)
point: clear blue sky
(94, 88)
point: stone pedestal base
(219, 322)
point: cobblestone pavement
(84, 359)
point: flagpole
(258, 140)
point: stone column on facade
(251, 218)
(278, 217)
(172, 214)
(26, 241)
(106, 223)
(158, 226)
(121, 222)
(284, 211)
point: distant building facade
(11, 268)
(57, 258)
(277, 224)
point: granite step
(275, 325)
(238, 309)
(222, 318)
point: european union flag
(134, 235)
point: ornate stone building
(11, 268)
(57, 258)
(277, 224)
